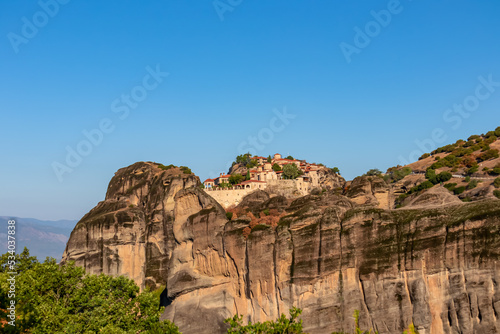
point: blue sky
(232, 66)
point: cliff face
(328, 255)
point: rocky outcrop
(370, 190)
(238, 168)
(330, 180)
(433, 197)
(329, 255)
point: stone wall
(228, 198)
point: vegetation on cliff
(54, 298)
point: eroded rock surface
(329, 255)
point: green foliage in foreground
(282, 325)
(285, 325)
(52, 298)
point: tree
(186, 170)
(496, 183)
(425, 155)
(269, 159)
(291, 171)
(276, 167)
(443, 177)
(336, 170)
(248, 175)
(236, 178)
(282, 325)
(53, 298)
(489, 154)
(373, 172)
(497, 131)
(290, 157)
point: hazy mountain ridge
(42, 237)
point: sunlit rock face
(435, 265)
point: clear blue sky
(225, 79)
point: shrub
(282, 325)
(467, 178)
(430, 173)
(425, 155)
(472, 184)
(497, 132)
(163, 167)
(395, 175)
(373, 172)
(229, 215)
(276, 167)
(450, 186)
(421, 186)
(490, 139)
(472, 170)
(443, 177)
(496, 183)
(489, 134)
(494, 171)
(488, 154)
(496, 193)
(266, 212)
(458, 190)
(186, 170)
(473, 137)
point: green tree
(269, 159)
(472, 170)
(472, 184)
(276, 167)
(290, 157)
(283, 325)
(236, 178)
(497, 131)
(496, 183)
(443, 177)
(336, 170)
(291, 171)
(489, 154)
(373, 172)
(186, 170)
(53, 298)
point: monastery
(263, 175)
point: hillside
(468, 169)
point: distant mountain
(42, 237)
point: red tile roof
(253, 181)
(209, 180)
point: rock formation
(330, 254)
